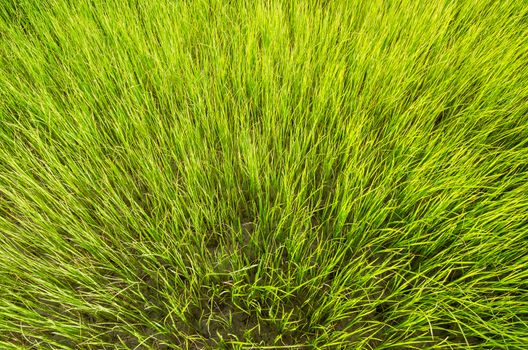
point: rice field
(263, 174)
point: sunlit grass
(263, 175)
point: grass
(263, 175)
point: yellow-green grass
(263, 174)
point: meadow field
(214, 174)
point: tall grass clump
(218, 174)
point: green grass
(263, 174)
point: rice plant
(217, 174)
